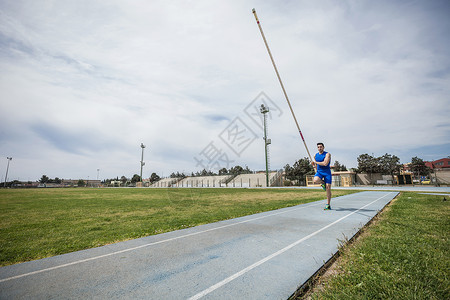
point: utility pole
(142, 159)
(264, 110)
(7, 168)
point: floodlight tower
(142, 158)
(7, 168)
(264, 110)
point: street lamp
(264, 110)
(142, 159)
(7, 168)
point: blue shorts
(326, 177)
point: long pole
(281, 83)
(7, 168)
(265, 145)
(264, 110)
(142, 159)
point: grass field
(38, 223)
(405, 254)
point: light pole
(142, 159)
(264, 110)
(98, 171)
(7, 168)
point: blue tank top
(321, 157)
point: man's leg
(328, 179)
(317, 180)
(328, 193)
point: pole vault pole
(281, 83)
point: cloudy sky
(84, 83)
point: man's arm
(326, 161)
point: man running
(322, 160)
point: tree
(247, 170)
(368, 164)
(205, 172)
(288, 172)
(135, 178)
(81, 183)
(299, 170)
(177, 175)
(390, 164)
(236, 170)
(419, 168)
(123, 179)
(223, 171)
(44, 179)
(338, 167)
(154, 178)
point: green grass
(405, 254)
(38, 223)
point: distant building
(406, 169)
(440, 170)
(442, 163)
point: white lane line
(258, 263)
(154, 243)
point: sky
(84, 83)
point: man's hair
(321, 144)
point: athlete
(322, 160)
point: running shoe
(327, 207)
(323, 186)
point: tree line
(390, 165)
(386, 164)
(81, 182)
(296, 174)
(236, 170)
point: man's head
(320, 147)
